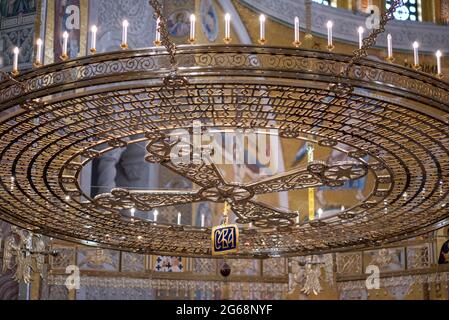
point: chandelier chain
(370, 41)
(163, 30)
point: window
(409, 11)
(325, 2)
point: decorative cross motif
(213, 187)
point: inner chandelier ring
(72, 113)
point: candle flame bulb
(262, 20)
(93, 45)
(297, 42)
(227, 38)
(65, 37)
(416, 55)
(320, 212)
(439, 54)
(15, 66)
(192, 28)
(38, 60)
(157, 40)
(361, 31)
(125, 25)
(390, 57)
(330, 44)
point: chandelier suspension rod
(370, 41)
(163, 30)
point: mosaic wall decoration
(178, 17)
(9, 289)
(58, 293)
(418, 257)
(274, 267)
(92, 292)
(98, 259)
(349, 263)
(66, 257)
(204, 266)
(169, 264)
(245, 267)
(387, 260)
(132, 262)
(11, 8)
(17, 30)
(209, 20)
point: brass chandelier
(65, 115)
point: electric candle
(227, 38)
(361, 31)
(65, 44)
(179, 218)
(330, 45)
(390, 48)
(416, 54)
(93, 40)
(15, 65)
(125, 26)
(157, 40)
(297, 43)
(155, 214)
(192, 28)
(38, 61)
(439, 54)
(203, 220)
(262, 21)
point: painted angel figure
(312, 280)
(23, 253)
(16, 257)
(9, 252)
(307, 273)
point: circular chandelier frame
(62, 116)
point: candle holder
(93, 50)
(37, 64)
(124, 46)
(227, 40)
(297, 44)
(308, 36)
(390, 59)
(192, 40)
(157, 43)
(64, 57)
(15, 73)
(262, 41)
(440, 76)
(417, 67)
(330, 47)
